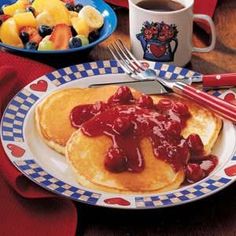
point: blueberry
(24, 36)
(30, 9)
(31, 46)
(74, 33)
(75, 42)
(1, 20)
(94, 35)
(1, 11)
(78, 7)
(44, 30)
(69, 6)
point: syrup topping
(127, 121)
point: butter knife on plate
(214, 81)
(144, 86)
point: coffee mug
(166, 36)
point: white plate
(38, 162)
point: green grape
(45, 45)
(84, 39)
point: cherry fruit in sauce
(195, 145)
(80, 114)
(180, 108)
(121, 125)
(164, 104)
(123, 95)
(115, 160)
(99, 107)
(209, 164)
(194, 172)
(145, 101)
(173, 128)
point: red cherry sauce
(127, 121)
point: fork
(137, 71)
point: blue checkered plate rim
(37, 161)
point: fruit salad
(49, 24)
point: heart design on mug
(40, 86)
(231, 171)
(117, 201)
(231, 98)
(157, 50)
(16, 151)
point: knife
(216, 80)
(153, 87)
(145, 86)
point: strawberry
(71, 2)
(33, 34)
(60, 36)
(3, 18)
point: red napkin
(121, 3)
(25, 208)
(206, 7)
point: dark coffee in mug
(160, 5)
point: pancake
(86, 156)
(202, 122)
(53, 112)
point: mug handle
(213, 33)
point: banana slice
(92, 17)
(44, 18)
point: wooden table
(215, 215)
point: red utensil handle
(221, 107)
(222, 80)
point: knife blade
(145, 86)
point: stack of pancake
(86, 154)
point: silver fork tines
(132, 66)
(127, 61)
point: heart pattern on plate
(117, 201)
(230, 97)
(16, 151)
(231, 171)
(40, 86)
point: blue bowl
(110, 24)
